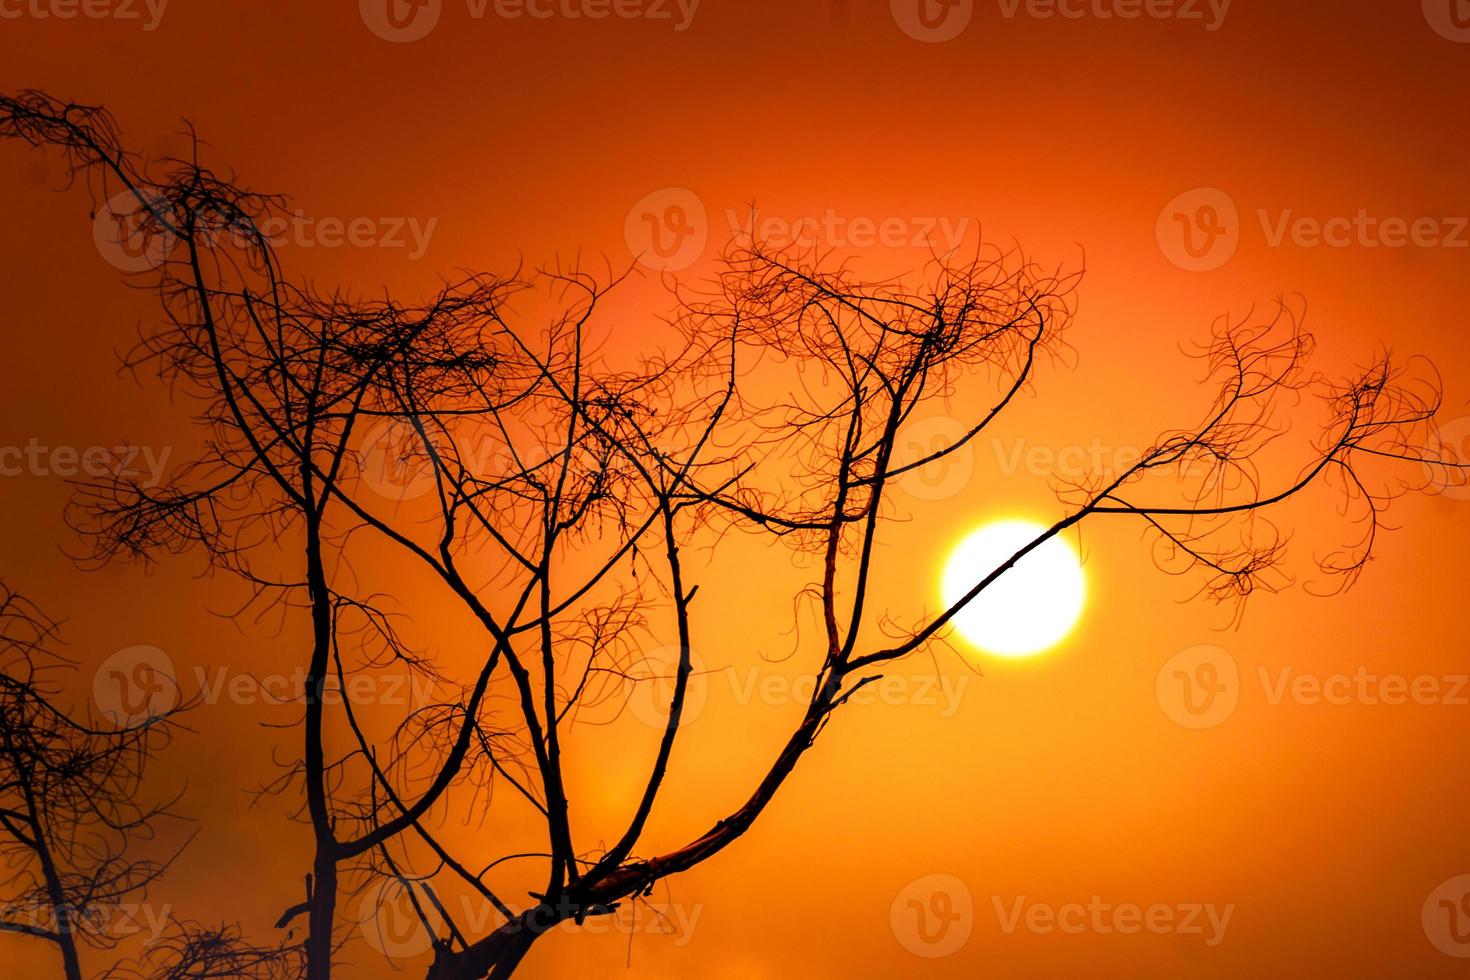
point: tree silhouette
(71, 817)
(552, 494)
(194, 951)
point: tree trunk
(69, 959)
(321, 917)
(66, 937)
(322, 913)
(495, 957)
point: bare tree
(777, 412)
(71, 813)
(194, 951)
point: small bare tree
(71, 812)
(777, 412)
(194, 951)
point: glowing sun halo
(1030, 608)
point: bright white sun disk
(1028, 609)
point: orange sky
(1322, 828)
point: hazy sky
(1198, 159)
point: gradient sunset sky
(1183, 157)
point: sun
(1032, 606)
